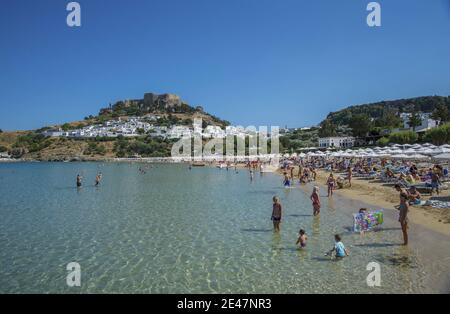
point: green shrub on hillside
(439, 135)
(403, 137)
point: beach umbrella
(445, 156)
(417, 157)
(425, 151)
(441, 150)
(396, 151)
(400, 156)
(409, 151)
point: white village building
(427, 122)
(338, 142)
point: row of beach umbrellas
(397, 151)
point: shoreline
(368, 192)
(378, 196)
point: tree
(414, 120)
(439, 135)
(1, 131)
(383, 141)
(327, 129)
(441, 113)
(389, 119)
(404, 137)
(360, 124)
(66, 127)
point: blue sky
(253, 62)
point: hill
(169, 109)
(384, 114)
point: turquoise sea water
(172, 230)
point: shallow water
(172, 230)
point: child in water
(339, 248)
(302, 238)
(316, 201)
(276, 213)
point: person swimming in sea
(79, 178)
(276, 213)
(315, 201)
(302, 238)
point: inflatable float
(367, 221)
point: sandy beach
(379, 195)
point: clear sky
(252, 62)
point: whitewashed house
(427, 122)
(338, 142)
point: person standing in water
(276, 213)
(300, 173)
(331, 182)
(79, 178)
(315, 201)
(286, 180)
(98, 178)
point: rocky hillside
(165, 105)
(169, 108)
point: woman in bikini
(315, 201)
